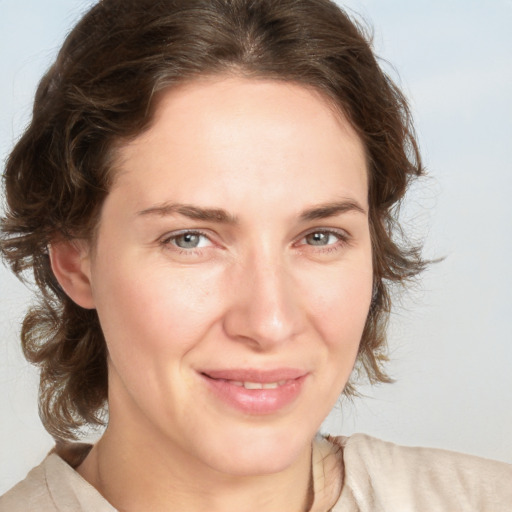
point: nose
(265, 309)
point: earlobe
(70, 263)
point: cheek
(339, 310)
(340, 307)
(151, 320)
(150, 311)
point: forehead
(261, 134)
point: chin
(256, 453)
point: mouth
(256, 392)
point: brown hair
(99, 93)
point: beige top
(378, 477)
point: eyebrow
(192, 212)
(327, 210)
(219, 215)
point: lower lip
(256, 401)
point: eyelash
(343, 238)
(170, 241)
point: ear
(70, 261)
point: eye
(327, 238)
(188, 240)
(323, 241)
(321, 238)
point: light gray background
(451, 337)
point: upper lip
(255, 375)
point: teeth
(259, 385)
(253, 385)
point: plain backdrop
(451, 335)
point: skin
(282, 280)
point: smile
(256, 392)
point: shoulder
(384, 476)
(32, 493)
(53, 486)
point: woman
(205, 196)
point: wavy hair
(100, 92)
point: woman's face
(232, 273)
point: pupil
(318, 238)
(187, 241)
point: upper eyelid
(336, 231)
(174, 234)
